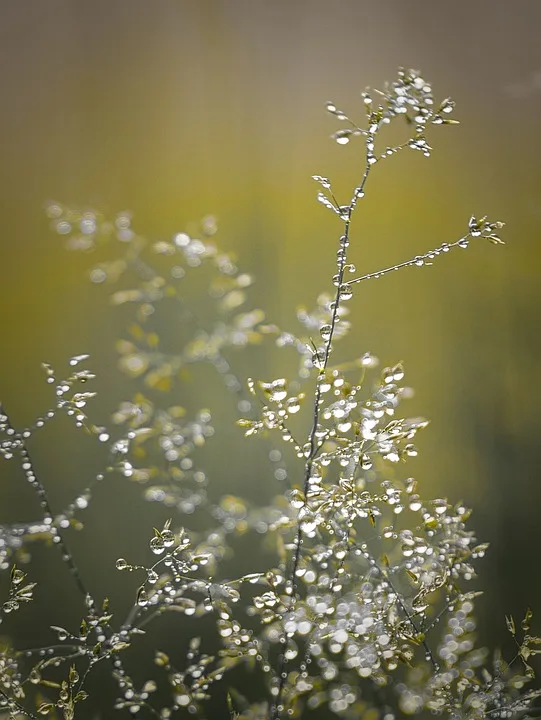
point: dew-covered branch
(478, 228)
(16, 442)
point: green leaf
(119, 646)
(525, 624)
(45, 708)
(510, 624)
(83, 628)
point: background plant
(356, 598)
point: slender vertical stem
(276, 710)
(27, 465)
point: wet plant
(358, 603)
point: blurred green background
(179, 108)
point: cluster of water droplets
(14, 445)
(369, 631)
(18, 592)
(278, 405)
(152, 436)
(154, 286)
(409, 96)
(477, 228)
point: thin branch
(20, 708)
(291, 588)
(48, 519)
(418, 260)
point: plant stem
(291, 588)
(57, 536)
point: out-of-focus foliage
(358, 598)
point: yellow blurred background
(179, 108)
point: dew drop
(142, 597)
(157, 545)
(326, 331)
(98, 275)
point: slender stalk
(291, 589)
(15, 703)
(428, 652)
(58, 539)
(418, 260)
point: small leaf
(161, 659)
(241, 422)
(525, 624)
(25, 594)
(45, 708)
(510, 624)
(119, 646)
(17, 576)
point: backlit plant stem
(48, 518)
(291, 587)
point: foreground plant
(366, 608)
